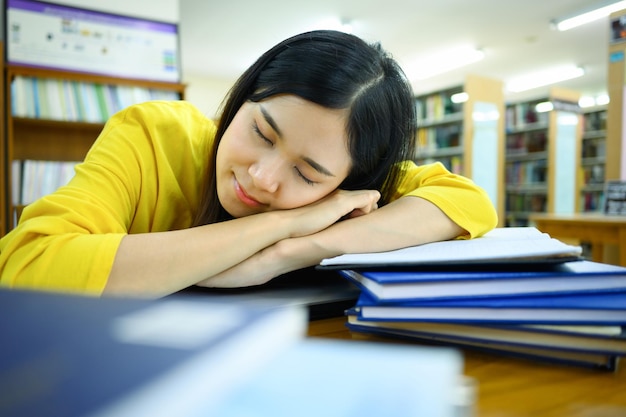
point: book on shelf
(525, 116)
(436, 106)
(55, 99)
(33, 179)
(131, 357)
(503, 246)
(606, 308)
(550, 354)
(479, 281)
(527, 172)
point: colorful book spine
(32, 179)
(65, 100)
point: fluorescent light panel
(544, 106)
(440, 63)
(602, 100)
(541, 79)
(334, 23)
(589, 16)
(459, 98)
(588, 101)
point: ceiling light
(459, 98)
(541, 79)
(334, 23)
(586, 101)
(603, 99)
(439, 63)
(544, 106)
(604, 10)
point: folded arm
(162, 263)
(433, 205)
(387, 228)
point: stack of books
(514, 291)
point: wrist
(326, 244)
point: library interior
(527, 99)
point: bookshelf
(593, 160)
(463, 128)
(54, 116)
(542, 156)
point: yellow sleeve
(144, 173)
(464, 202)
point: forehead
(309, 130)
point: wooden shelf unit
(593, 160)
(463, 127)
(615, 146)
(42, 139)
(542, 157)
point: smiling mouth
(244, 197)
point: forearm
(156, 264)
(407, 221)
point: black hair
(339, 71)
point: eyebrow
(318, 167)
(270, 121)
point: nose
(265, 174)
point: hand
(336, 206)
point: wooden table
(509, 387)
(597, 229)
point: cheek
(301, 195)
(232, 147)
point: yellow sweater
(144, 174)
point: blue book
(569, 277)
(74, 356)
(578, 309)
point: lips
(244, 197)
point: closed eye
(257, 131)
(303, 178)
(260, 134)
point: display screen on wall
(62, 37)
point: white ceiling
(220, 39)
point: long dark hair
(338, 71)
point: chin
(237, 210)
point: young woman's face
(281, 153)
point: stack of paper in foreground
(515, 291)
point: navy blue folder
(591, 308)
(569, 277)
